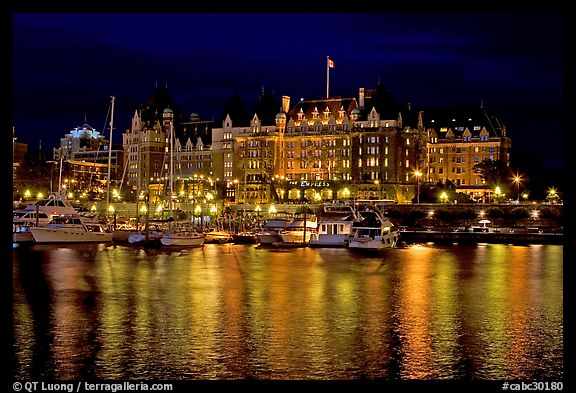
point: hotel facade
(361, 147)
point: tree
(493, 172)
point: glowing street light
(418, 174)
(517, 180)
(498, 193)
(444, 197)
(552, 194)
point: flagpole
(327, 76)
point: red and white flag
(330, 63)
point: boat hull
(217, 238)
(339, 241)
(296, 237)
(268, 238)
(22, 237)
(373, 244)
(182, 240)
(247, 238)
(69, 235)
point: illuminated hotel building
(146, 145)
(458, 140)
(322, 149)
(364, 147)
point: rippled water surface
(486, 312)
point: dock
(518, 238)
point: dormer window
(326, 113)
(300, 115)
(341, 112)
(315, 113)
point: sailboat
(185, 236)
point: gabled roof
(460, 119)
(334, 104)
(196, 130)
(153, 109)
(382, 100)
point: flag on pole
(330, 63)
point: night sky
(66, 66)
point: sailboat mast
(60, 172)
(110, 150)
(171, 165)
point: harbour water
(424, 312)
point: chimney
(361, 98)
(285, 104)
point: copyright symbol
(17, 386)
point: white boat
(150, 237)
(21, 233)
(25, 216)
(334, 226)
(42, 212)
(71, 229)
(218, 237)
(300, 230)
(184, 237)
(373, 233)
(245, 237)
(270, 234)
(123, 231)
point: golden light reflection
(445, 318)
(493, 334)
(414, 314)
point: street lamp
(498, 192)
(552, 195)
(517, 180)
(417, 173)
(444, 197)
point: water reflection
(236, 311)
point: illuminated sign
(307, 183)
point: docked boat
(71, 229)
(150, 237)
(334, 226)
(21, 233)
(218, 237)
(53, 205)
(245, 237)
(26, 216)
(300, 230)
(183, 237)
(270, 233)
(372, 233)
(122, 232)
